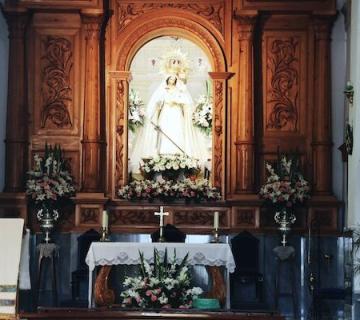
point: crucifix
(161, 213)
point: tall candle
(105, 220)
(216, 220)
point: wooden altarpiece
(69, 81)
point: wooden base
(105, 314)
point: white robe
(170, 108)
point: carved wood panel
(120, 125)
(327, 217)
(202, 218)
(218, 142)
(286, 5)
(283, 63)
(134, 217)
(61, 3)
(55, 74)
(212, 11)
(245, 217)
(56, 87)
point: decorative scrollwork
(120, 90)
(218, 128)
(214, 13)
(89, 216)
(284, 85)
(56, 91)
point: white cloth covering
(127, 253)
(11, 231)
(24, 277)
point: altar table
(107, 314)
(127, 253)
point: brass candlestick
(104, 231)
(216, 237)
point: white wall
(353, 214)
(4, 61)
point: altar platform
(177, 314)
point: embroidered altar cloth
(127, 253)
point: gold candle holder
(104, 234)
(216, 236)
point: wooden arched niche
(127, 43)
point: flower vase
(285, 218)
(47, 218)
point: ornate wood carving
(218, 136)
(120, 114)
(282, 101)
(135, 37)
(57, 62)
(199, 218)
(133, 217)
(218, 290)
(246, 217)
(212, 12)
(89, 216)
(102, 294)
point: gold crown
(174, 62)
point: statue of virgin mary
(168, 127)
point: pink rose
(148, 293)
(153, 298)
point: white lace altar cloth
(127, 253)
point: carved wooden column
(17, 113)
(243, 181)
(93, 140)
(322, 107)
(118, 170)
(220, 96)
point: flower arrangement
(161, 285)
(136, 111)
(166, 164)
(202, 116)
(170, 190)
(49, 181)
(285, 186)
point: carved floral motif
(245, 217)
(284, 88)
(89, 216)
(211, 12)
(120, 90)
(203, 218)
(218, 128)
(57, 62)
(141, 217)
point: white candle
(216, 220)
(105, 220)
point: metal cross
(161, 214)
